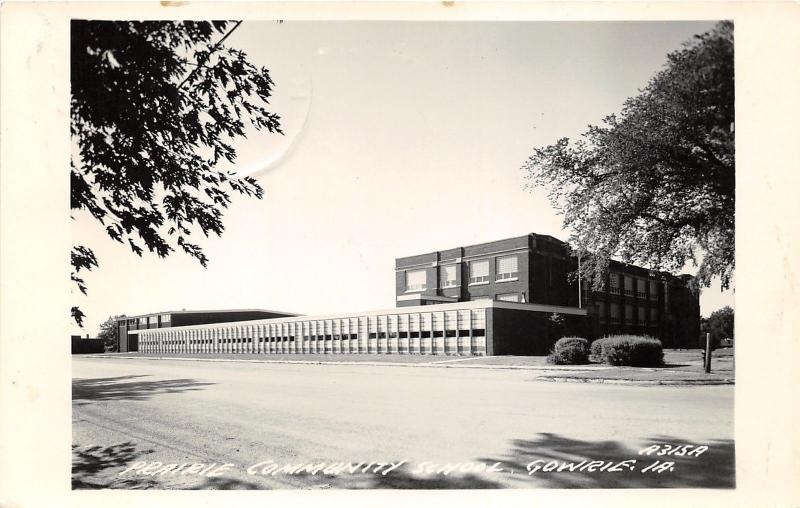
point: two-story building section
(535, 269)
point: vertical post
(579, 282)
(708, 353)
(469, 323)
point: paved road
(332, 426)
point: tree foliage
(108, 332)
(654, 185)
(719, 324)
(155, 106)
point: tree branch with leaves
(155, 107)
(655, 185)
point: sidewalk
(682, 367)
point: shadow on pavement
(98, 467)
(715, 468)
(90, 467)
(397, 479)
(123, 388)
(404, 480)
(226, 483)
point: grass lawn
(681, 366)
(320, 358)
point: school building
(507, 297)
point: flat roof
(208, 312)
(549, 237)
(479, 244)
(475, 304)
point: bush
(596, 350)
(633, 350)
(569, 351)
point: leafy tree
(155, 106)
(108, 332)
(719, 324)
(654, 185)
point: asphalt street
(151, 424)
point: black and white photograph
(407, 253)
(366, 237)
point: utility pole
(707, 358)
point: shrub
(596, 350)
(633, 350)
(569, 351)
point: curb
(373, 364)
(542, 377)
(642, 382)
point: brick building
(534, 269)
(495, 298)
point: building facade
(129, 327)
(534, 269)
(494, 298)
(479, 328)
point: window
(507, 267)
(165, 318)
(600, 309)
(642, 315)
(613, 281)
(447, 276)
(463, 319)
(415, 281)
(653, 290)
(508, 297)
(479, 322)
(628, 313)
(478, 318)
(641, 288)
(479, 272)
(628, 286)
(614, 310)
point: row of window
(505, 297)
(246, 340)
(507, 269)
(614, 313)
(424, 334)
(149, 320)
(400, 332)
(628, 283)
(450, 320)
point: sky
(400, 138)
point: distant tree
(155, 105)
(719, 324)
(655, 184)
(108, 332)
